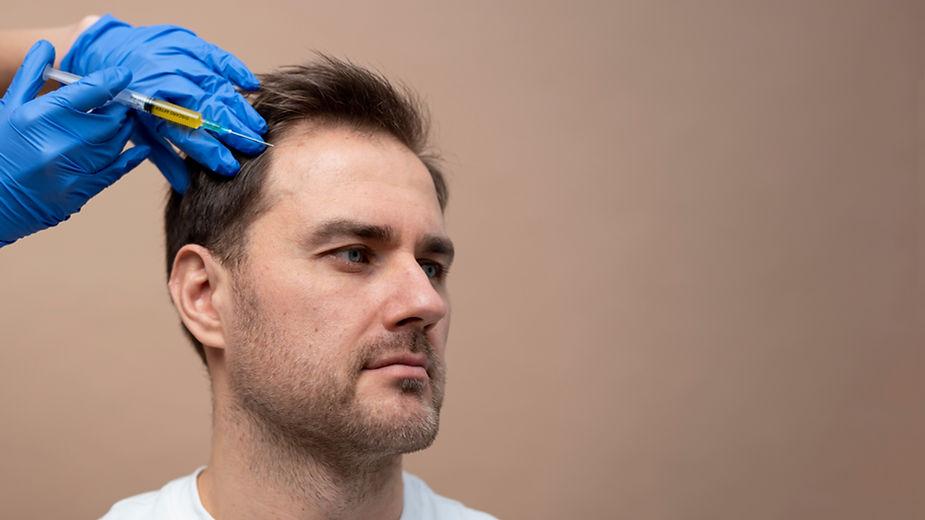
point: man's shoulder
(173, 500)
(422, 502)
(138, 507)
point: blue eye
(434, 270)
(354, 255)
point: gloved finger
(229, 66)
(242, 109)
(100, 126)
(94, 90)
(222, 91)
(120, 137)
(214, 109)
(215, 60)
(111, 111)
(164, 157)
(123, 164)
(94, 155)
(199, 145)
(28, 80)
(225, 117)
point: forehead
(322, 172)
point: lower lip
(401, 371)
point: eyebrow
(438, 245)
(331, 229)
(346, 228)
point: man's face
(341, 296)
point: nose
(413, 300)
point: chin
(404, 424)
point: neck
(255, 473)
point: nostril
(407, 321)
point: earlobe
(197, 287)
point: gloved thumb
(94, 90)
(28, 80)
(164, 157)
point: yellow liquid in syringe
(174, 113)
(188, 118)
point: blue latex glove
(54, 155)
(172, 63)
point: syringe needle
(247, 137)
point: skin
(288, 334)
(15, 43)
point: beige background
(690, 281)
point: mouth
(404, 366)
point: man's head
(322, 260)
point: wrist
(80, 27)
(86, 22)
(73, 31)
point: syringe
(155, 107)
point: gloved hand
(173, 64)
(54, 155)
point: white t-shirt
(179, 500)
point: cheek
(287, 292)
(313, 316)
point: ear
(200, 290)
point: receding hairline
(271, 192)
(309, 126)
(316, 127)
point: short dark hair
(215, 211)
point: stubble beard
(301, 401)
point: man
(313, 285)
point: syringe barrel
(127, 97)
(133, 99)
(65, 78)
(156, 107)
